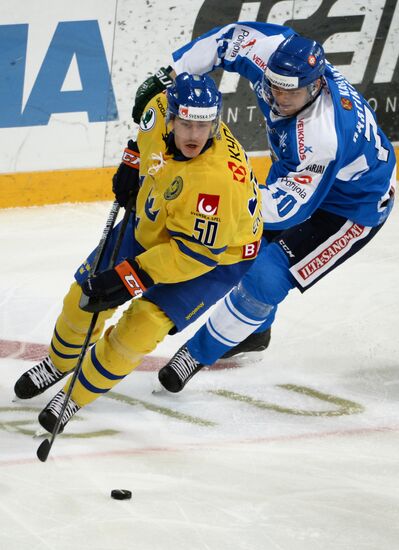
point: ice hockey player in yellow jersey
(208, 205)
(195, 231)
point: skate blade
(40, 433)
(158, 389)
(243, 359)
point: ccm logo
(130, 279)
(133, 285)
(250, 250)
(131, 158)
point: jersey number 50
(205, 231)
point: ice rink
(298, 451)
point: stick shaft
(45, 447)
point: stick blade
(43, 450)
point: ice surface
(297, 451)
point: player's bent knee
(142, 327)
(247, 304)
(78, 320)
(269, 279)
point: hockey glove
(114, 287)
(126, 181)
(154, 85)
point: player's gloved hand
(126, 181)
(154, 85)
(114, 287)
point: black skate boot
(49, 415)
(257, 341)
(38, 379)
(175, 374)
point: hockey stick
(45, 446)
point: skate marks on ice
(260, 402)
(199, 408)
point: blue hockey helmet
(298, 62)
(195, 97)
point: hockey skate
(175, 374)
(255, 342)
(49, 415)
(38, 379)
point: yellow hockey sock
(71, 329)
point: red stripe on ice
(30, 351)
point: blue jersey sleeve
(242, 47)
(332, 155)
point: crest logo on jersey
(312, 60)
(148, 207)
(208, 204)
(282, 140)
(147, 121)
(239, 171)
(346, 104)
(174, 189)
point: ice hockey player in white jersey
(329, 190)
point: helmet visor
(284, 95)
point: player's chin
(191, 150)
(286, 110)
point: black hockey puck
(121, 494)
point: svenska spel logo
(208, 204)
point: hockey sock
(71, 328)
(235, 318)
(142, 326)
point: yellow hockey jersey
(192, 215)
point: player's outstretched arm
(154, 85)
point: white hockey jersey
(332, 155)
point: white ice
(283, 470)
